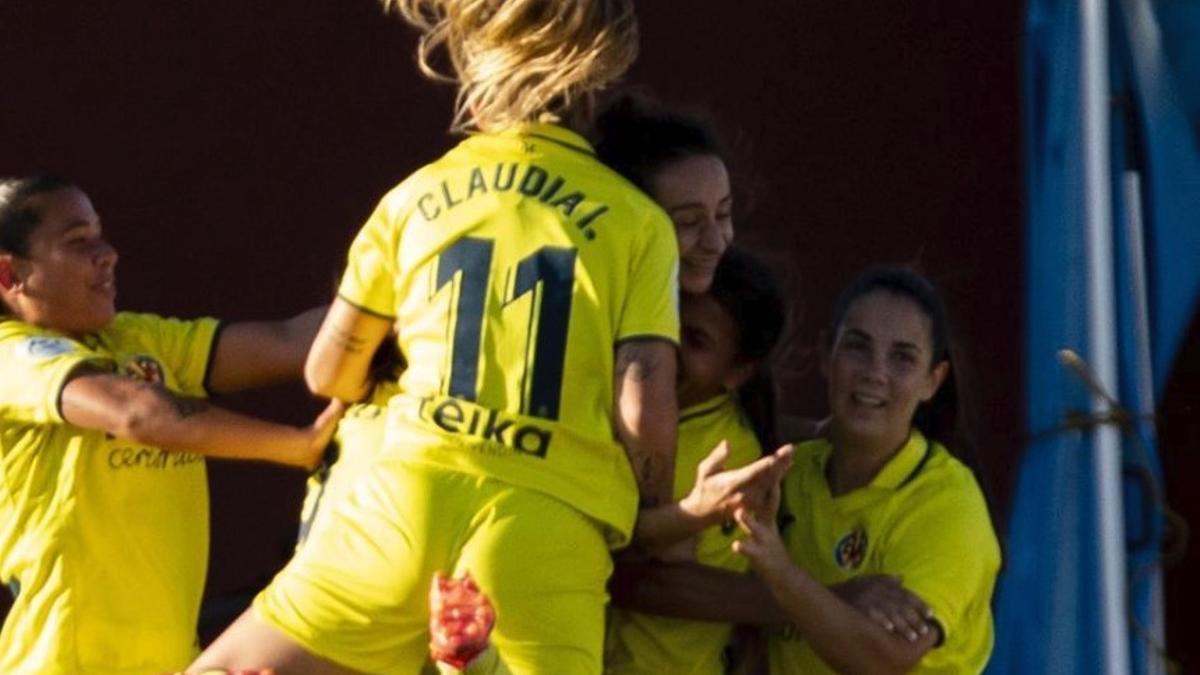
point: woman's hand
(718, 493)
(319, 434)
(763, 545)
(887, 603)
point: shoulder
(23, 340)
(945, 498)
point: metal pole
(1102, 354)
(1135, 236)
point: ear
(8, 272)
(937, 375)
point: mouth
(867, 400)
(106, 286)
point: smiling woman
(102, 421)
(678, 160)
(882, 494)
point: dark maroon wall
(233, 146)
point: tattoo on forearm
(186, 407)
(645, 473)
(347, 341)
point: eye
(904, 357)
(694, 338)
(855, 345)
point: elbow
(882, 655)
(320, 380)
(142, 419)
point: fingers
(715, 460)
(766, 469)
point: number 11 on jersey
(554, 267)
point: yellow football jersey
(360, 434)
(642, 643)
(513, 265)
(923, 519)
(104, 542)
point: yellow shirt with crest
(103, 542)
(924, 519)
(647, 644)
(512, 266)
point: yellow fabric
(357, 591)
(512, 266)
(923, 519)
(359, 435)
(105, 542)
(642, 643)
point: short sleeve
(34, 367)
(369, 280)
(946, 552)
(184, 346)
(651, 307)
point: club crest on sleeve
(42, 348)
(145, 369)
(851, 550)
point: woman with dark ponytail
(883, 493)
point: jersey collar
(555, 134)
(705, 408)
(898, 470)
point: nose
(874, 369)
(105, 255)
(711, 237)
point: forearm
(695, 592)
(192, 425)
(658, 527)
(150, 415)
(847, 640)
(647, 416)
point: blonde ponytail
(522, 61)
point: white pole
(1134, 234)
(1094, 102)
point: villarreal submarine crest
(145, 369)
(851, 550)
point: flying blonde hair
(522, 61)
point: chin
(94, 322)
(696, 283)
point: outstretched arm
(715, 495)
(151, 415)
(251, 354)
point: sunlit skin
(695, 193)
(68, 280)
(708, 350)
(879, 369)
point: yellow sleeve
(34, 367)
(186, 347)
(369, 281)
(652, 303)
(946, 552)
